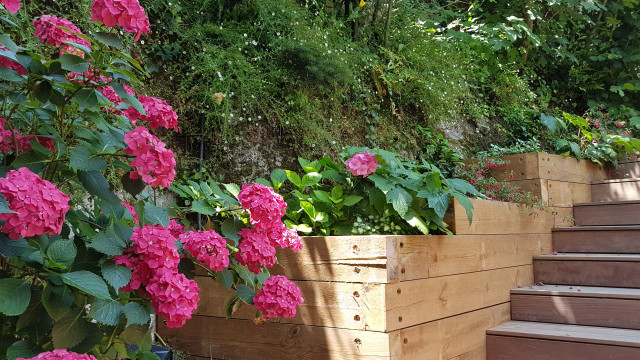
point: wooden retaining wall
(396, 297)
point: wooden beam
(415, 302)
(551, 167)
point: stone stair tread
(571, 333)
(579, 291)
(589, 257)
(596, 228)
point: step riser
(619, 313)
(611, 242)
(626, 170)
(613, 214)
(622, 191)
(516, 348)
(587, 273)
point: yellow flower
(362, 3)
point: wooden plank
(598, 240)
(580, 291)
(232, 339)
(572, 333)
(414, 302)
(344, 305)
(587, 273)
(563, 217)
(508, 348)
(477, 354)
(621, 190)
(593, 311)
(496, 217)
(624, 213)
(447, 338)
(566, 193)
(551, 167)
(341, 258)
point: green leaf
(87, 98)
(323, 196)
(400, 199)
(156, 215)
(11, 75)
(203, 207)
(227, 278)
(14, 248)
(466, 204)
(263, 181)
(309, 166)
(462, 186)
(416, 221)
(278, 177)
(378, 199)
(136, 314)
(136, 334)
(233, 189)
(439, 203)
(73, 63)
(35, 322)
(294, 178)
(352, 200)
(124, 95)
(108, 242)
(22, 349)
(108, 39)
(32, 160)
(309, 209)
(229, 229)
(15, 295)
(94, 337)
(311, 179)
(70, 330)
(336, 192)
(88, 282)
(57, 300)
(82, 159)
(6, 40)
(43, 91)
(381, 183)
(96, 184)
(107, 312)
(62, 252)
(132, 186)
(116, 275)
(231, 304)
(245, 294)
(245, 274)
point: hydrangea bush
(84, 264)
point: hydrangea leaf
(15, 295)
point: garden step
(611, 213)
(616, 190)
(597, 239)
(616, 270)
(523, 340)
(627, 169)
(577, 305)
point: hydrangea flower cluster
(39, 206)
(281, 236)
(263, 204)
(126, 13)
(159, 113)
(49, 30)
(362, 164)
(111, 95)
(255, 250)
(153, 260)
(153, 162)
(11, 5)
(61, 354)
(208, 247)
(10, 64)
(278, 297)
(7, 144)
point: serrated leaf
(245, 274)
(43, 91)
(463, 186)
(108, 242)
(136, 314)
(88, 282)
(70, 330)
(227, 278)
(156, 215)
(22, 349)
(245, 294)
(378, 199)
(439, 203)
(107, 312)
(336, 192)
(400, 199)
(82, 159)
(32, 160)
(116, 275)
(56, 300)
(15, 295)
(466, 204)
(549, 121)
(108, 39)
(203, 207)
(73, 63)
(136, 334)
(229, 229)
(310, 179)
(323, 196)
(86, 98)
(62, 252)
(14, 248)
(351, 200)
(94, 337)
(132, 186)
(381, 183)
(294, 178)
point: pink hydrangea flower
(153, 162)
(11, 5)
(208, 247)
(362, 164)
(10, 64)
(176, 228)
(255, 250)
(109, 92)
(61, 354)
(173, 296)
(281, 236)
(39, 206)
(279, 297)
(264, 204)
(159, 113)
(6, 141)
(49, 30)
(126, 13)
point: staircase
(586, 301)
